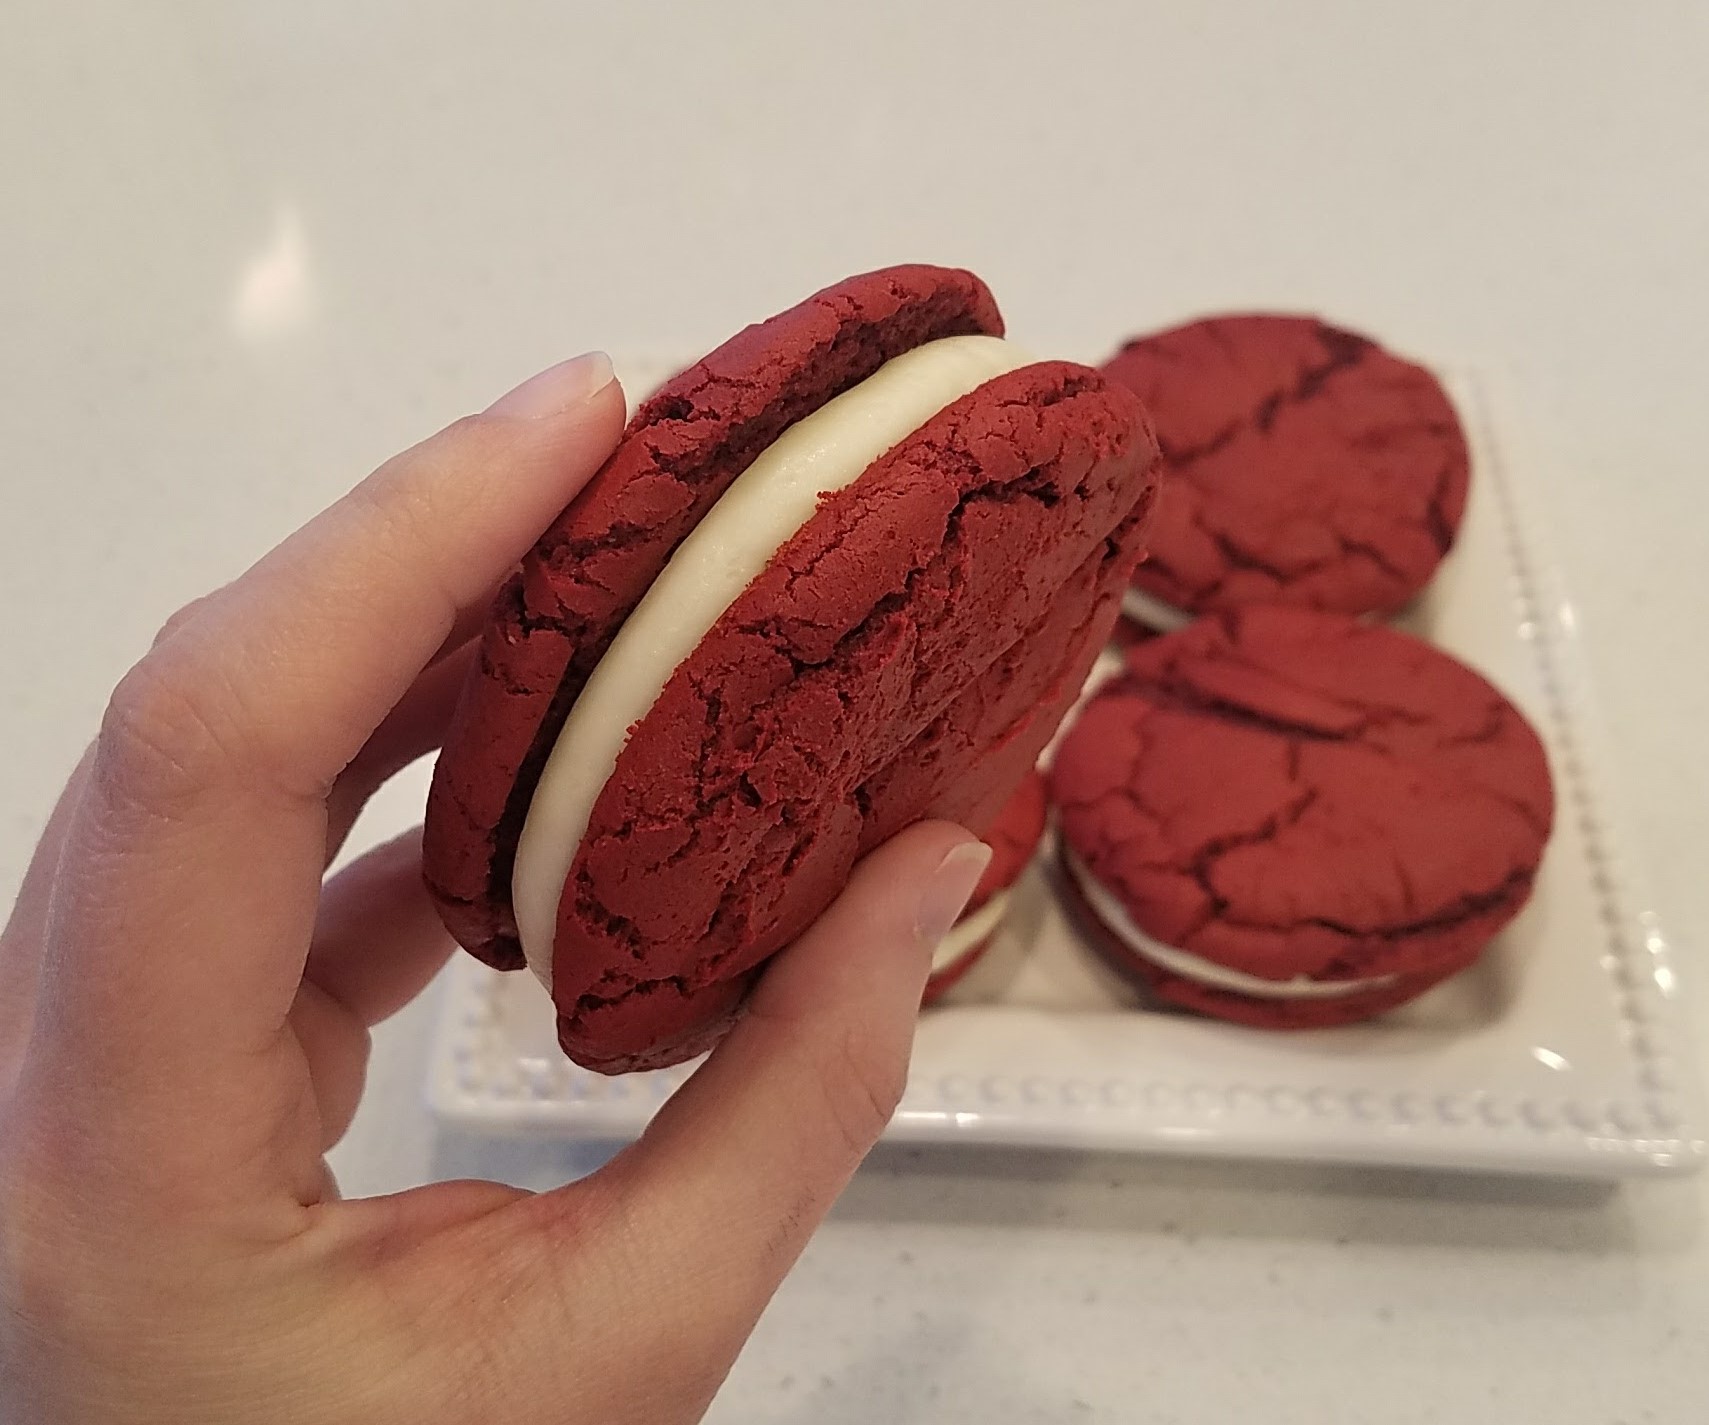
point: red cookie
(904, 654)
(1304, 465)
(1289, 819)
(1012, 837)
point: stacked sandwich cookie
(1293, 819)
(842, 574)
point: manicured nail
(949, 889)
(556, 389)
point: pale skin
(185, 1004)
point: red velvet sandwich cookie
(842, 574)
(1012, 837)
(1288, 818)
(1303, 464)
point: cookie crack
(1349, 545)
(1182, 696)
(1436, 521)
(1238, 558)
(1468, 907)
(1343, 350)
(1203, 864)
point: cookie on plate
(1288, 818)
(1012, 837)
(842, 574)
(1304, 465)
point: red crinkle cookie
(1304, 465)
(905, 655)
(1286, 793)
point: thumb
(740, 1166)
(664, 1259)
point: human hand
(184, 1014)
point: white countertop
(247, 252)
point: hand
(184, 1013)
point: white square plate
(1563, 1051)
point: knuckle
(469, 433)
(408, 485)
(403, 505)
(590, 1210)
(862, 1088)
(180, 618)
(158, 746)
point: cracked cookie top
(1291, 793)
(1304, 465)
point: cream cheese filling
(1153, 612)
(969, 931)
(1188, 966)
(759, 513)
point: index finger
(186, 894)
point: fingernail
(557, 388)
(949, 889)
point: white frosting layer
(1153, 612)
(969, 931)
(722, 555)
(1195, 967)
